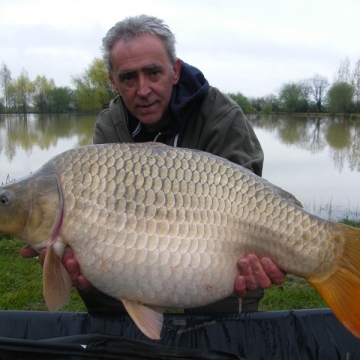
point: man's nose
(143, 86)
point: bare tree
(305, 86)
(5, 80)
(318, 86)
(343, 74)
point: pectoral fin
(148, 319)
(56, 281)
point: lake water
(316, 159)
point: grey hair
(132, 27)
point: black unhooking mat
(301, 334)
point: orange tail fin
(341, 290)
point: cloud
(252, 47)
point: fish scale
(163, 239)
(153, 225)
(149, 213)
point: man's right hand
(72, 266)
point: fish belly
(163, 276)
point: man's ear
(113, 83)
(176, 70)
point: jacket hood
(192, 86)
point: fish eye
(5, 197)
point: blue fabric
(297, 335)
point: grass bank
(21, 285)
(21, 281)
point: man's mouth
(146, 106)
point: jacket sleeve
(239, 142)
(110, 125)
(102, 126)
(222, 129)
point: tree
(42, 92)
(241, 100)
(256, 103)
(292, 97)
(266, 104)
(270, 104)
(343, 74)
(24, 91)
(13, 96)
(93, 88)
(61, 99)
(318, 86)
(305, 86)
(340, 97)
(5, 80)
(356, 84)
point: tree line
(315, 94)
(91, 91)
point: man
(161, 98)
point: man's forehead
(144, 51)
(142, 41)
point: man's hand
(71, 264)
(73, 269)
(255, 272)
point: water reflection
(315, 134)
(43, 131)
(315, 158)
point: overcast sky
(248, 46)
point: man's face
(144, 77)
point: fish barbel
(156, 226)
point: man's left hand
(256, 272)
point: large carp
(156, 226)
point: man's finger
(85, 284)
(247, 273)
(72, 266)
(240, 286)
(259, 274)
(68, 254)
(28, 252)
(276, 275)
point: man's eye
(127, 78)
(154, 73)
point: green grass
(21, 285)
(21, 281)
(295, 293)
